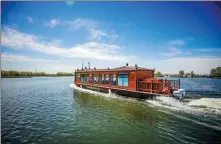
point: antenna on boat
(89, 65)
(82, 65)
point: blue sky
(58, 36)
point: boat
(132, 81)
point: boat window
(102, 78)
(113, 80)
(105, 78)
(87, 78)
(96, 79)
(84, 78)
(123, 80)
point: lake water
(50, 110)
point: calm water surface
(47, 110)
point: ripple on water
(46, 110)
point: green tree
(4, 73)
(42, 74)
(218, 71)
(213, 72)
(64, 74)
(181, 73)
(158, 74)
(13, 73)
(39, 73)
(30, 73)
(191, 74)
(59, 73)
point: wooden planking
(117, 88)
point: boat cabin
(125, 78)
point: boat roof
(123, 68)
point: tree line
(13, 73)
(213, 73)
(64, 74)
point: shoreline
(16, 76)
(31, 76)
(73, 76)
(193, 77)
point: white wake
(108, 95)
(200, 106)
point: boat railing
(175, 84)
(158, 86)
(150, 86)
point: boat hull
(125, 93)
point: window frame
(121, 78)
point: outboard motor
(180, 93)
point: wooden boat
(127, 80)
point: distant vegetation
(64, 74)
(12, 73)
(158, 74)
(214, 73)
(181, 73)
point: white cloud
(177, 42)
(96, 34)
(47, 67)
(173, 51)
(52, 23)
(12, 38)
(93, 27)
(200, 65)
(11, 57)
(17, 40)
(81, 23)
(30, 19)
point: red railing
(158, 86)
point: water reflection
(46, 110)
(127, 116)
(132, 110)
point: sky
(59, 36)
